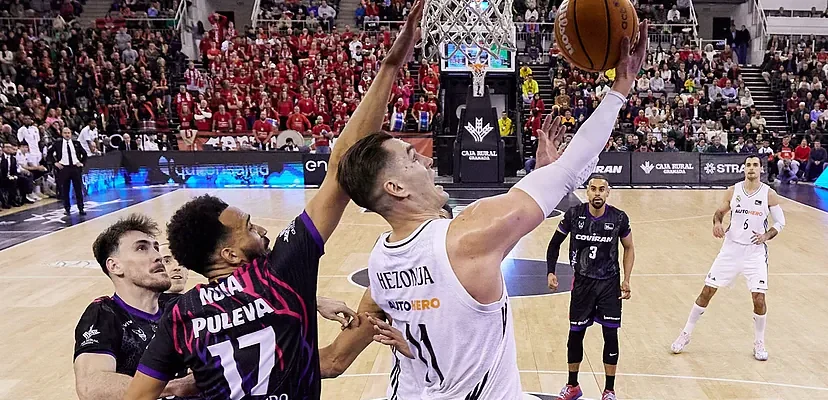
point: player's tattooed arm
(718, 216)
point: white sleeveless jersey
(748, 213)
(462, 349)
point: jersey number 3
(266, 339)
(593, 251)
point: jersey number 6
(746, 225)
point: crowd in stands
(273, 79)
(797, 72)
(812, 13)
(94, 83)
(309, 14)
(65, 10)
(693, 100)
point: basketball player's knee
(758, 299)
(610, 346)
(575, 347)
(707, 293)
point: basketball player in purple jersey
(249, 334)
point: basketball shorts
(734, 258)
(595, 300)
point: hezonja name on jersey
(604, 239)
(416, 276)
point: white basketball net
(471, 25)
(478, 78)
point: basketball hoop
(473, 27)
(478, 78)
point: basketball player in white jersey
(439, 280)
(744, 251)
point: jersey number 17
(266, 340)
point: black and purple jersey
(253, 334)
(593, 244)
(110, 326)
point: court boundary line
(88, 220)
(641, 375)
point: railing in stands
(180, 14)
(695, 21)
(254, 17)
(41, 25)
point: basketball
(589, 32)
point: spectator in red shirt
(802, 153)
(240, 122)
(183, 97)
(431, 84)
(222, 120)
(203, 116)
(641, 118)
(322, 135)
(306, 105)
(421, 113)
(298, 122)
(262, 128)
(185, 117)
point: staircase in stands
(541, 74)
(94, 9)
(767, 102)
(345, 14)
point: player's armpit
(480, 237)
(144, 387)
(96, 379)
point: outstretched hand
(403, 47)
(631, 60)
(549, 140)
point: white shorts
(734, 258)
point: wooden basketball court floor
(48, 281)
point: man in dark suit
(69, 157)
(14, 187)
(127, 144)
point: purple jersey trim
(136, 312)
(626, 233)
(313, 231)
(153, 373)
(607, 324)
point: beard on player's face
(597, 202)
(148, 277)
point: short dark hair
(108, 241)
(194, 231)
(598, 176)
(748, 157)
(360, 167)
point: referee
(597, 290)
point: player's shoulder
(578, 209)
(103, 304)
(101, 311)
(617, 212)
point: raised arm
(493, 225)
(326, 207)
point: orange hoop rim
(478, 67)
